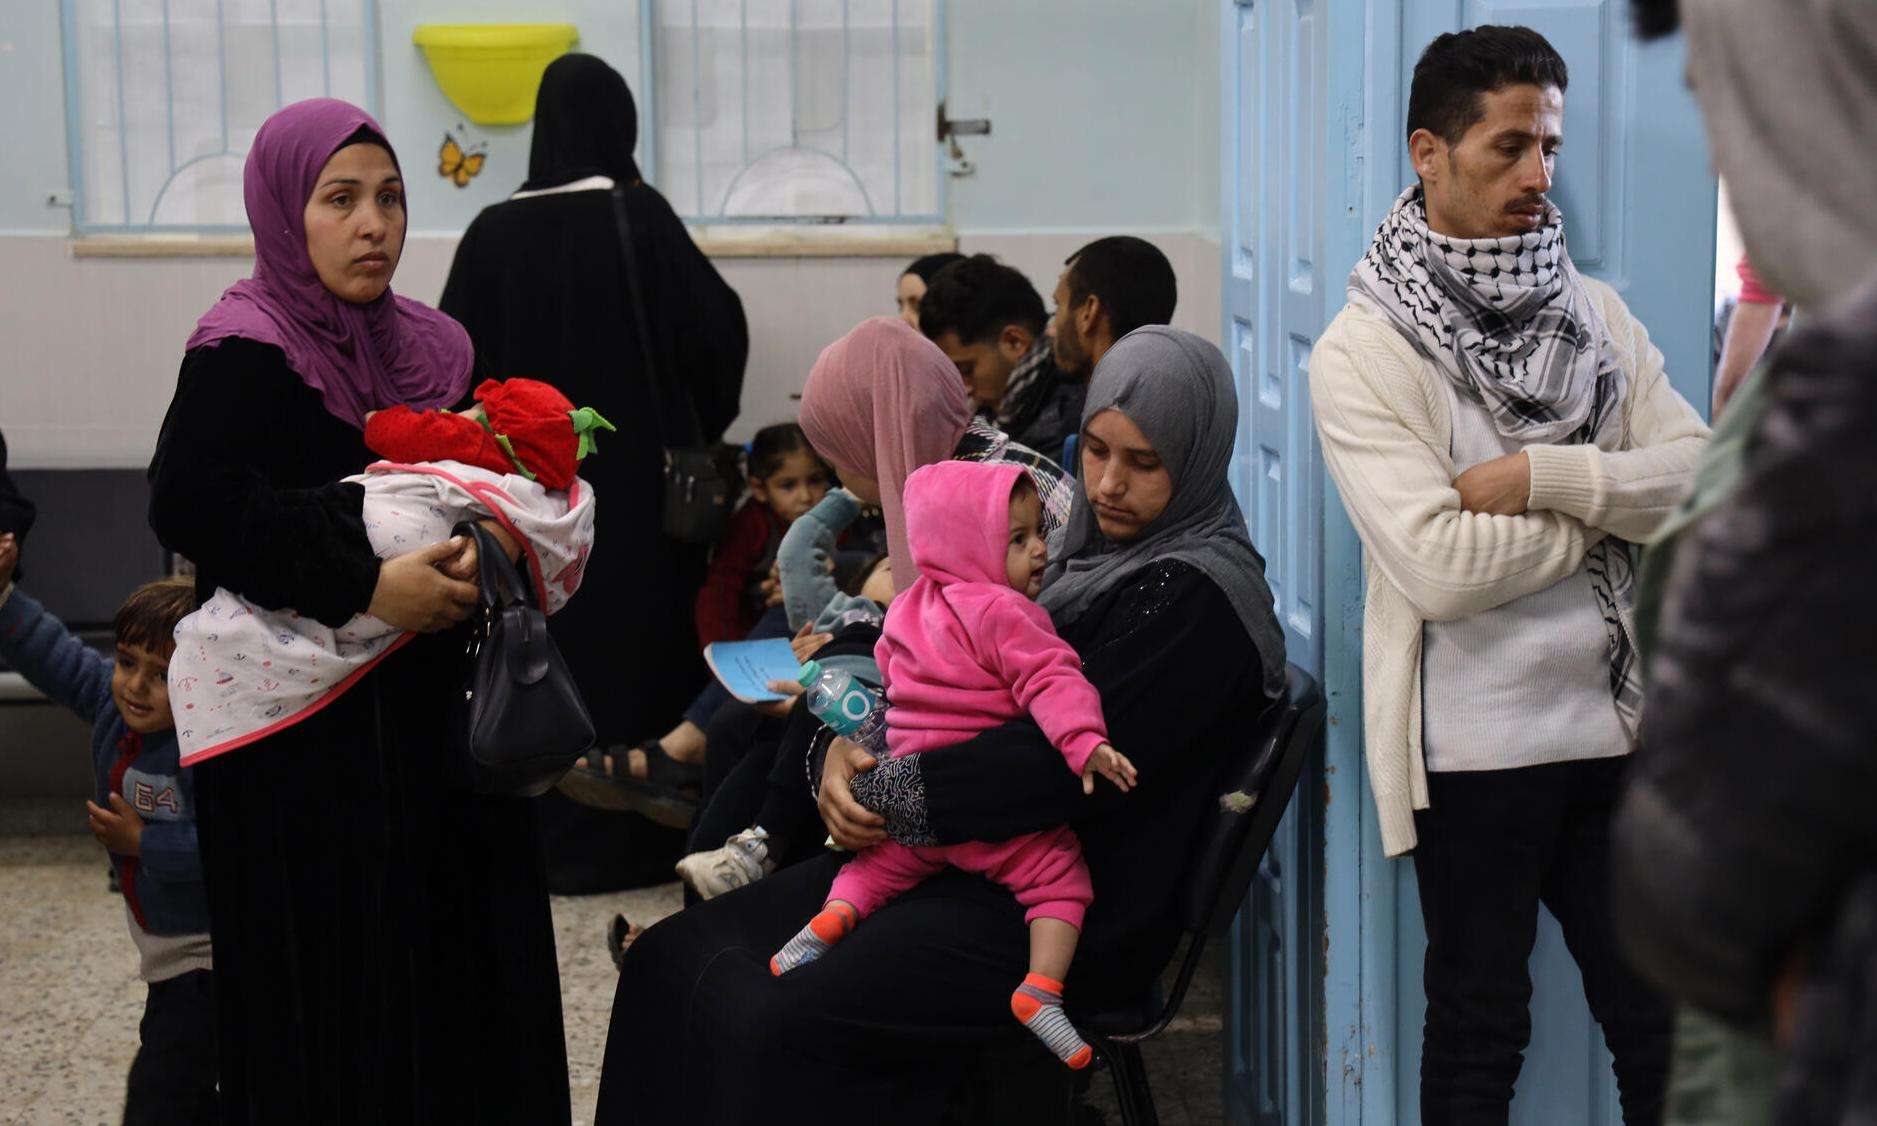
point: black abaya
(16, 512)
(896, 1017)
(540, 284)
(383, 946)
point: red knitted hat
(534, 422)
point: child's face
(794, 488)
(1028, 554)
(140, 689)
(879, 585)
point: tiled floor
(70, 998)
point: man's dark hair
(927, 268)
(1133, 279)
(976, 298)
(148, 618)
(1654, 18)
(1459, 68)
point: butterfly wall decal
(457, 165)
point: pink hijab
(358, 357)
(883, 401)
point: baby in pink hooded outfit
(964, 649)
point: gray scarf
(1177, 388)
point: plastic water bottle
(848, 707)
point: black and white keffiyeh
(1509, 321)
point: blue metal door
(1275, 289)
(1326, 1002)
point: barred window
(792, 110)
(163, 98)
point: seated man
(1501, 431)
(1108, 289)
(989, 319)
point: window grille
(797, 110)
(163, 98)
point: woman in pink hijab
(383, 950)
(883, 401)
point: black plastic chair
(1226, 857)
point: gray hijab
(1177, 388)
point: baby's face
(879, 585)
(1027, 554)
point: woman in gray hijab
(1163, 596)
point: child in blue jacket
(143, 812)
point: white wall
(1105, 120)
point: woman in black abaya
(542, 285)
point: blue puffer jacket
(164, 886)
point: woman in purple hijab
(383, 948)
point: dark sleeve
(40, 648)
(298, 549)
(720, 600)
(16, 512)
(1175, 637)
(707, 335)
(1749, 808)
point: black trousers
(172, 1080)
(1492, 847)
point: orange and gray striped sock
(814, 940)
(1038, 1004)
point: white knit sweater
(1386, 431)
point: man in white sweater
(1501, 432)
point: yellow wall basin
(491, 71)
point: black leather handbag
(519, 722)
(698, 495)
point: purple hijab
(358, 357)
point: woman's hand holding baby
(466, 566)
(412, 593)
(1110, 764)
(852, 825)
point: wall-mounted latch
(948, 133)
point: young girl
(786, 479)
(241, 672)
(741, 592)
(966, 648)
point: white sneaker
(741, 861)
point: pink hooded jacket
(961, 650)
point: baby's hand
(1110, 764)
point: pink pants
(1045, 871)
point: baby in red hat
(522, 426)
(242, 671)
